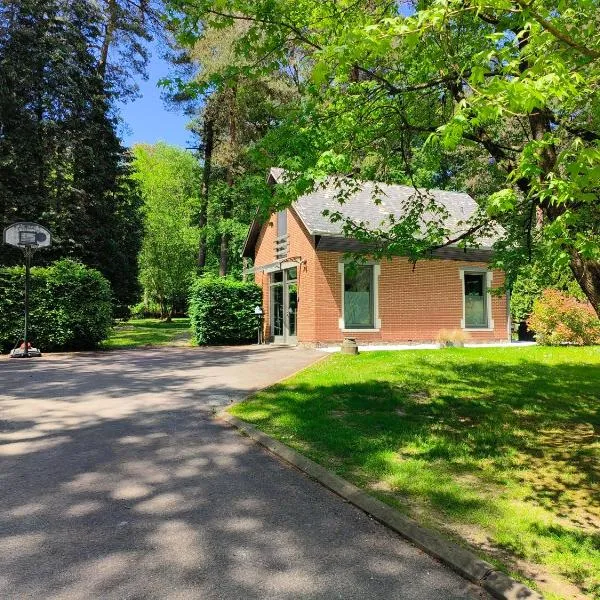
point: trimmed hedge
(69, 307)
(222, 311)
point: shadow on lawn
(439, 430)
(178, 323)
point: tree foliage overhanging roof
(497, 98)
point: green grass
(496, 446)
(149, 332)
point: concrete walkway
(115, 482)
(397, 347)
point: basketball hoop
(29, 237)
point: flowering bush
(560, 319)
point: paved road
(116, 483)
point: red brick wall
(265, 254)
(300, 245)
(414, 303)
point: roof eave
(251, 239)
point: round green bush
(222, 311)
(69, 307)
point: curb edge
(459, 559)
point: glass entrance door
(291, 296)
(284, 306)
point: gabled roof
(360, 206)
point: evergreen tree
(125, 28)
(61, 162)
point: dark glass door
(284, 306)
(292, 312)
(277, 313)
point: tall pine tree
(61, 162)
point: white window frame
(488, 296)
(377, 320)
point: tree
(170, 182)
(61, 161)
(237, 112)
(514, 83)
(125, 28)
(531, 282)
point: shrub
(145, 310)
(561, 319)
(69, 307)
(222, 310)
(533, 279)
(452, 337)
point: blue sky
(147, 118)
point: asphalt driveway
(115, 482)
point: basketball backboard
(27, 235)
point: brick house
(312, 295)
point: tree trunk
(224, 259)
(109, 30)
(587, 274)
(208, 140)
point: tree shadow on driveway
(111, 490)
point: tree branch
(584, 134)
(465, 234)
(292, 28)
(557, 33)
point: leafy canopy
(169, 180)
(493, 97)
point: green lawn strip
(148, 332)
(499, 446)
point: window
(359, 304)
(281, 223)
(476, 300)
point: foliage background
(169, 178)
(494, 98)
(61, 161)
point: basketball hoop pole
(27, 251)
(28, 237)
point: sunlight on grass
(499, 445)
(149, 332)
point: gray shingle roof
(360, 206)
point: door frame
(287, 281)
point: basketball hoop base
(20, 353)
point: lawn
(149, 332)
(499, 447)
